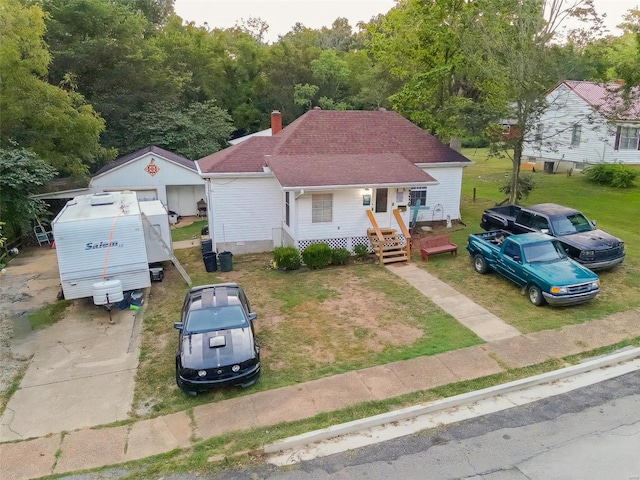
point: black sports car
(216, 343)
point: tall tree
(192, 132)
(58, 125)
(101, 49)
(418, 42)
(22, 173)
(507, 54)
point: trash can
(209, 259)
(226, 261)
(136, 298)
(206, 246)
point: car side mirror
(593, 222)
(252, 316)
(178, 325)
(544, 230)
(517, 259)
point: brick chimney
(276, 122)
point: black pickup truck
(580, 238)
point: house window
(381, 199)
(539, 130)
(575, 135)
(286, 209)
(627, 138)
(418, 197)
(321, 208)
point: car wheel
(480, 264)
(535, 295)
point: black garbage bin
(206, 246)
(209, 259)
(226, 261)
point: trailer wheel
(535, 295)
(480, 264)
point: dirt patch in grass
(356, 317)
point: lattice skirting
(346, 242)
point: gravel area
(31, 281)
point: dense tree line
(84, 81)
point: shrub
(339, 256)
(287, 258)
(475, 142)
(611, 174)
(360, 250)
(525, 185)
(317, 255)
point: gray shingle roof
(190, 164)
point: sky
(282, 15)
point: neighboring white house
(585, 123)
(314, 181)
(154, 174)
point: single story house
(314, 181)
(585, 123)
(154, 174)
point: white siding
(83, 234)
(183, 199)
(132, 176)
(445, 195)
(243, 213)
(597, 139)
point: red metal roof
(367, 147)
(608, 98)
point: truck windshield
(575, 223)
(543, 252)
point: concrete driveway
(81, 370)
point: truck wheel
(535, 295)
(480, 264)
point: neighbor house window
(321, 207)
(627, 138)
(539, 130)
(575, 135)
(286, 208)
(418, 197)
(381, 199)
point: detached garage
(154, 174)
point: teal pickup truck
(537, 262)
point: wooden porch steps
(391, 248)
(386, 243)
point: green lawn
(616, 212)
(188, 232)
(322, 322)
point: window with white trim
(418, 197)
(321, 207)
(629, 138)
(287, 209)
(575, 135)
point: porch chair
(42, 235)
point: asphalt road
(590, 433)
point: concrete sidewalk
(91, 448)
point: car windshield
(544, 252)
(216, 318)
(575, 223)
